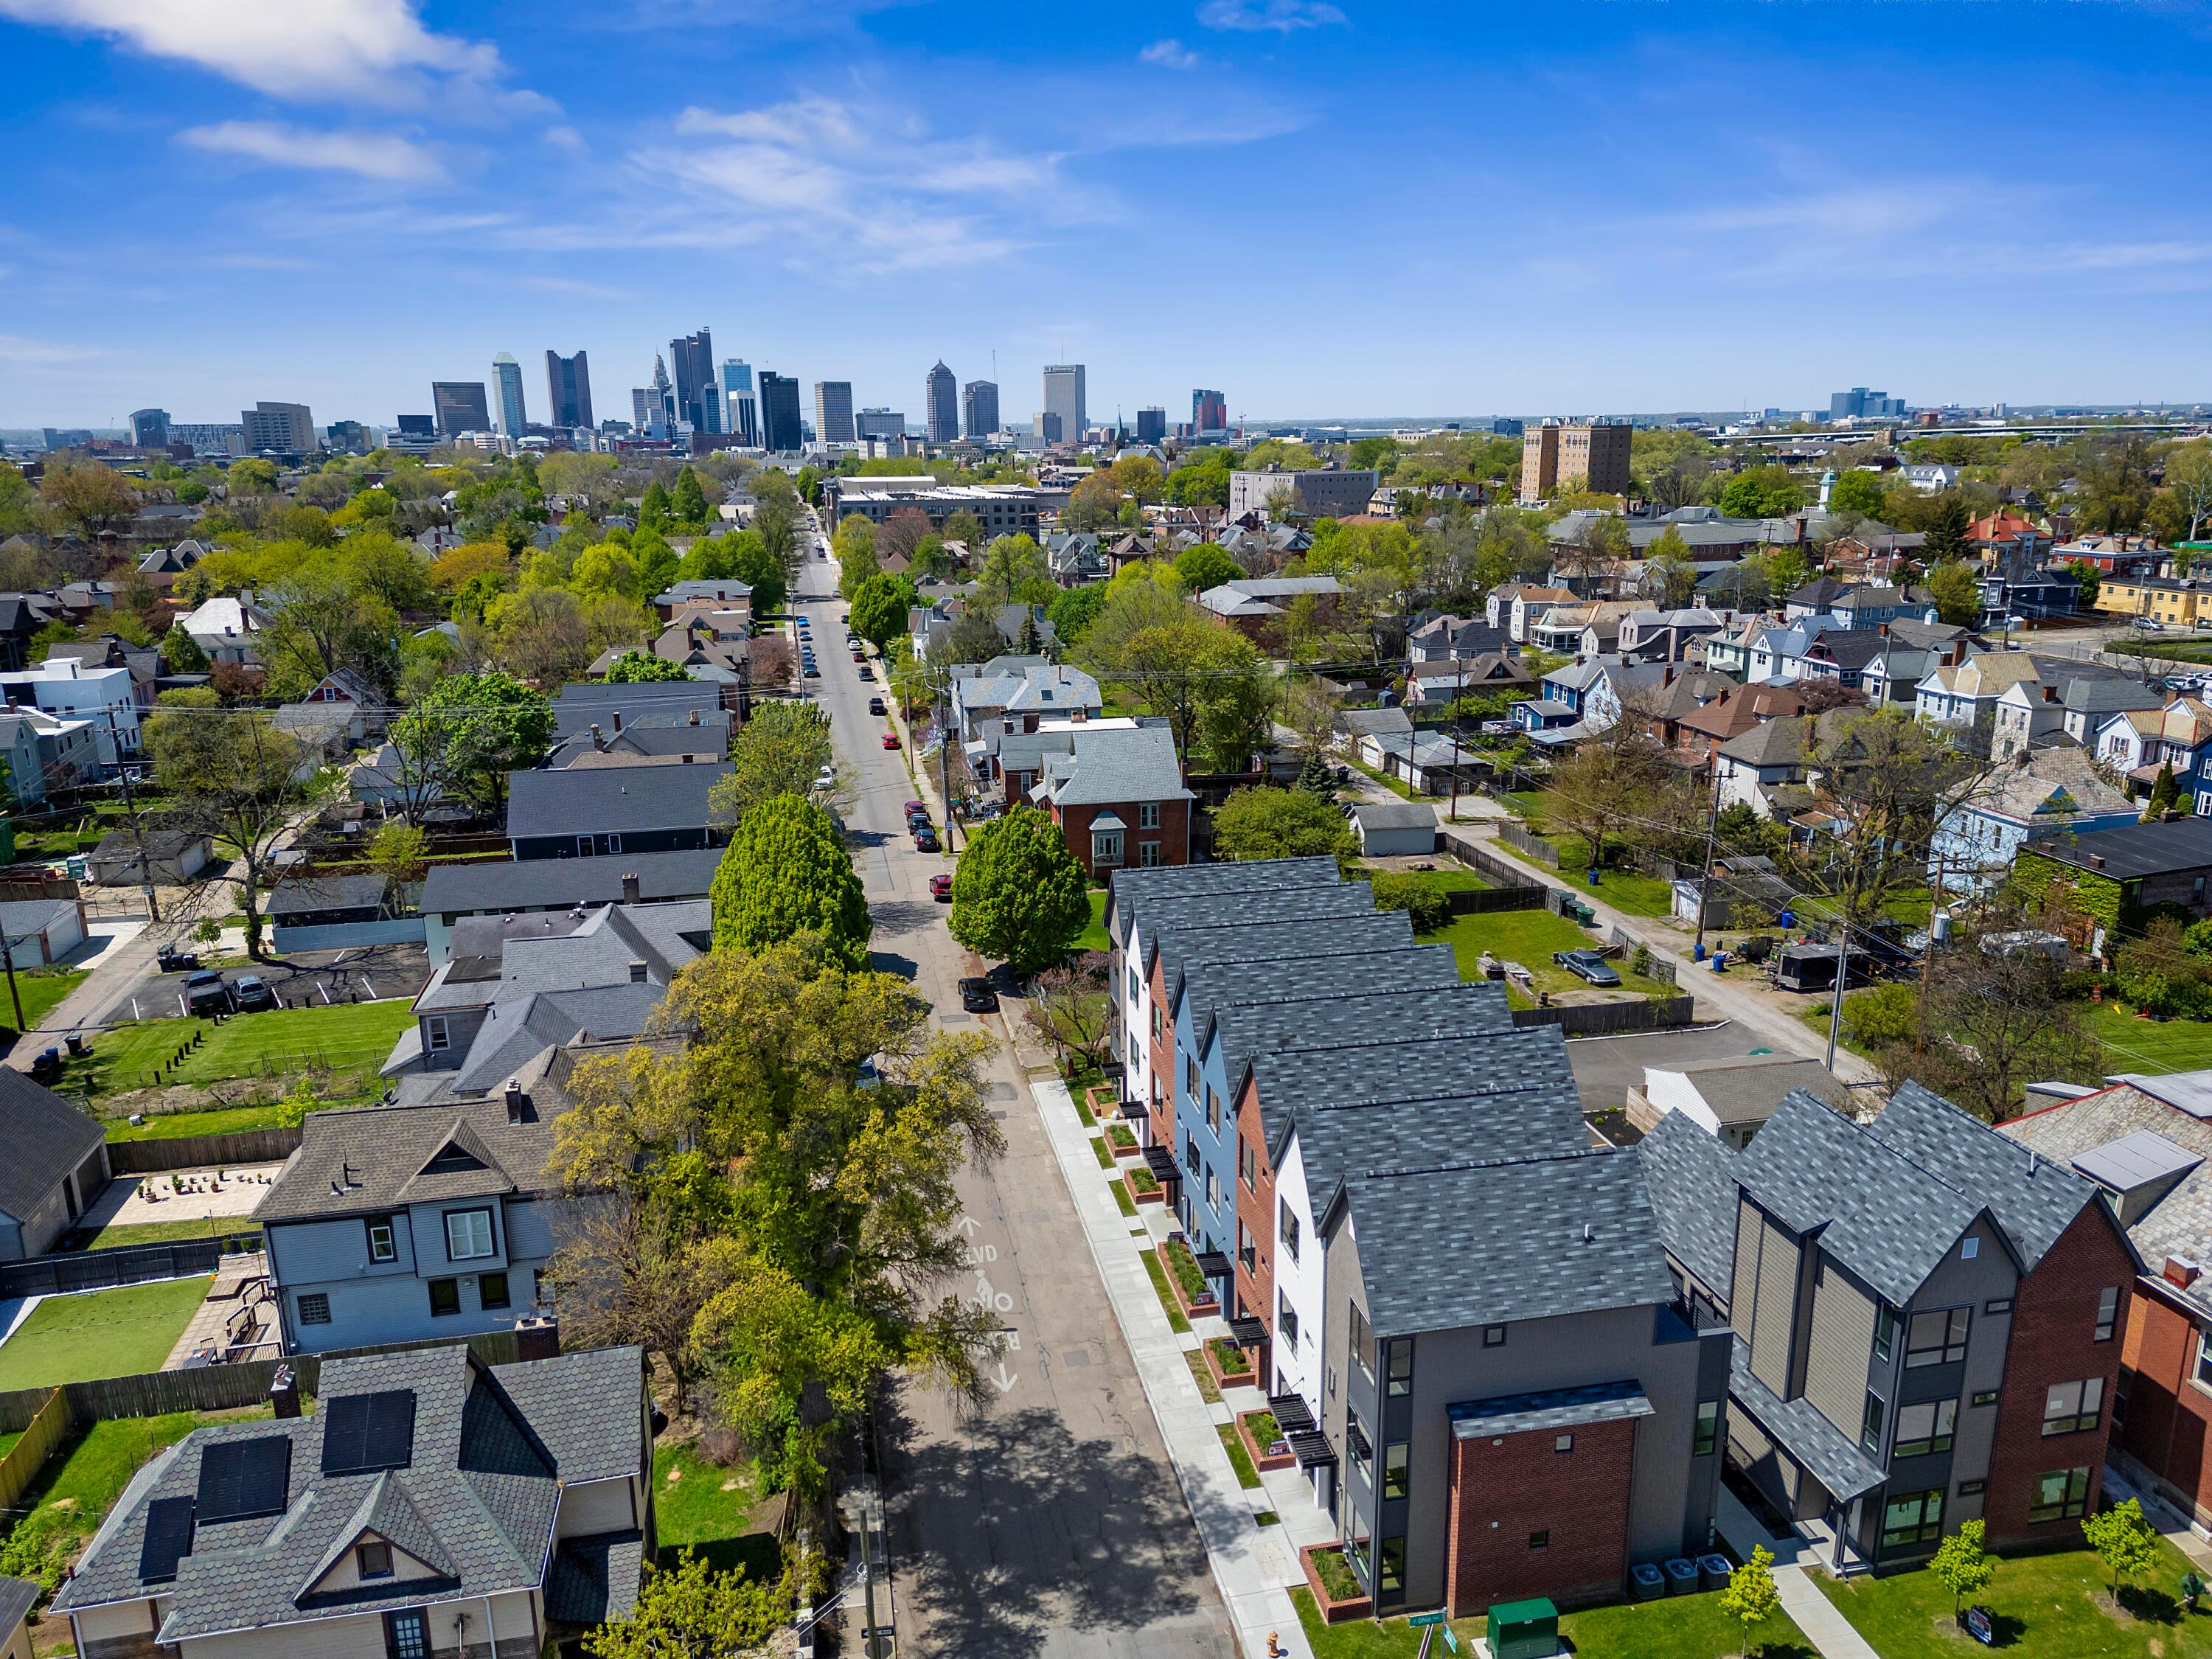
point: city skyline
(531, 176)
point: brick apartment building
(1117, 795)
(1592, 455)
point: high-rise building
(833, 411)
(1859, 404)
(940, 405)
(781, 428)
(288, 428)
(568, 390)
(1152, 426)
(691, 360)
(149, 428)
(979, 402)
(881, 424)
(348, 437)
(740, 412)
(506, 403)
(418, 426)
(461, 407)
(1592, 455)
(208, 437)
(1048, 426)
(1064, 397)
(1209, 412)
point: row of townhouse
(1462, 1314)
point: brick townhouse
(1927, 1320)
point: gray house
(584, 813)
(57, 1164)
(452, 892)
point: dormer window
(373, 1559)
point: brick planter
(1104, 1101)
(1157, 1195)
(1262, 1460)
(1242, 1377)
(1333, 1612)
(1193, 1308)
(1134, 1149)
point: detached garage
(41, 932)
(57, 1166)
(1394, 828)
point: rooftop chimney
(637, 972)
(631, 892)
(619, 722)
(2180, 1270)
(513, 1097)
(598, 737)
(538, 1338)
(284, 1393)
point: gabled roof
(576, 802)
(547, 883)
(1108, 766)
(46, 1137)
(381, 1157)
(1688, 1169)
(1129, 890)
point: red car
(890, 740)
(940, 889)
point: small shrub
(1427, 905)
(1143, 1181)
(1336, 1575)
(1229, 1357)
(1184, 1266)
(1119, 1136)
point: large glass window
(1709, 1428)
(1290, 1231)
(1394, 1469)
(1937, 1338)
(1912, 1518)
(2060, 1495)
(2108, 1312)
(1399, 1380)
(1286, 1321)
(468, 1235)
(1926, 1427)
(1391, 1565)
(1870, 1422)
(2073, 1407)
(1362, 1340)
(1885, 1333)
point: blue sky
(1346, 207)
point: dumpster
(1523, 1630)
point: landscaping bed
(1192, 1293)
(1334, 1587)
(1121, 1141)
(1158, 1275)
(1143, 1186)
(1240, 1459)
(1261, 1432)
(1231, 1365)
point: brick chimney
(538, 1338)
(284, 1393)
(2180, 1270)
(598, 737)
(630, 888)
(514, 1095)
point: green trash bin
(1523, 1630)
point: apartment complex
(1321, 492)
(1591, 455)
(288, 428)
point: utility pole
(137, 834)
(7, 956)
(1928, 957)
(1704, 887)
(1459, 691)
(1843, 974)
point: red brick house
(1117, 795)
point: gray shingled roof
(1127, 889)
(1812, 1440)
(1308, 1015)
(1549, 1410)
(585, 801)
(1288, 940)
(477, 1498)
(537, 884)
(1395, 815)
(377, 1157)
(46, 1137)
(1110, 765)
(1200, 915)
(595, 1579)
(17, 1597)
(1692, 1183)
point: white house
(227, 628)
(67, 687)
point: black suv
(977, 997)
(206, 994)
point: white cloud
(1170, 54)
(375, 51)
(380, 155)
(565, 138)
(15, 348)
(1251, 16)
(569, 288)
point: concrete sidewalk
(1253, 1566)
(1827, 1630)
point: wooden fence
(1528, 846)
(1609, 1019)
(100, 1270)
(201, 1152)
(1483, 863)
(1488, 900)
(45, 1429)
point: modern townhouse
(46, 752)
(1927, 1321)
(2040, 794)
(431, 1505)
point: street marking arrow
(1004, 1381)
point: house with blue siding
(2043, 793)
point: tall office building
(506, 404)
(149, 428)
(1209, 412)
(461, 407)
(833, 411)
(979, 403)
(691, 360)
(288, 428)
(1152, 426)
(740, 412)
(940, 405)
(780, 427)
(1591, 455)
(418, 426)
(568, 390)
(1064, 397)
(881, 424)
(1859, 404)
(348, 437)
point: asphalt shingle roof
(1108, 764)
(378, 1158)
(1693, 1195)
(46, 1137)
(543, 884)
(1128, 888)
(1549, 1410)
(1316, 929)
(1197, 916)
(1812, 1440)
(586, 801)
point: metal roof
(2137, 1160)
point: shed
(1394, 828)
(17, 1597)
(41, 932)
(175, 856)
(57, 1166)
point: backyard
(712, 1508)
(41, 990)
(2058, 1605)
(2149, 1046)
(1679, 1627)
(1529, 937)
(96, 1334)
(121, 1235)
(1093, 938)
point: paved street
(1050, 1523)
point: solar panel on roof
(168, 1538)
(241, 1480)
(365, 1432)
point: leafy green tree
(973, 637)
(854, 544)
(879, 607)
(182, 652)
(1014, 571)
(1670, 571)
(235, 778)
(688, 500)
(1961, 1566)
(1760, 492)
(1074, 609)
(786, 873)
(653, 507)
(1204, 567)
(1017, 893)
(2125, 1542)
(1857, 492)
(1785, 569)
(16, 498)
(694, 1613)
(319, 621)
(752, 563)
(400, 853)
(1263, 823)
(1957, 592)
(634, 667)
(965, 527)
(1750, 1597)
(780, 751)
(470, 731)
(2164, 794)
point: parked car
(875, 705)
(812, 672)
(925, 839)
(206, 994)
(866, 672)
(977, 997)
(253, 994)
(890, 740)
(1586, 964)
(940, 888)
(917, 809)
(174, 959)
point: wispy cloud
(380, 155)
(1252, 17)
(15, 348)
(569, 288)
(565, 138)
(1170, 54)
(367, 51)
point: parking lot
(369, 973)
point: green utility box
(1524, 1630)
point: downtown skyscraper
(568, 390)
(940, 405)
(507, 408)
(691, 368)
(833, 411)
(1065, 410)
(740, 407)
(979, 401)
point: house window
(1290, 1229)
(315, 1308)
(1105, 847)
(1398, 1379)
(445, 1297)
(434, 1034)
(1885, 1333)
(1212, 1192)
(382, 1245)
(2108, 1312)
(1708, 1437)
(1540, 1539)
(1494, 1336)
(1972, 1488)
(373, 1560)
(1148, 815)
(2073, 1407)
(1148, 854)
(1390, 1564)
(1190, 1159)
(1248, 1164)
(2060, 1495)
(1363, 1338)
(1997, 1304)
(1913, 1518)
(1213, 1112)
(468, 1235)
(1395, 1472)
(1938, 1338)
(1870, 1422)
(1985, 1397)
(1926, 1427)
(1969, 1248)
(492, 1292)
(407, 1635)
(1286, 1321)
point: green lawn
(121, 1235)
(2150, 1045)
(1176, 1323)
(1239, 1459)
(41, 990)
(1677, 1627)
(215, 1121)
(342, 1038)
(1446, 877)
(1393, 785)
(1527, 937)
(77, 1339)
(1093, 938)
(703, 1506)
(2043, 1607)
(1628, 890)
